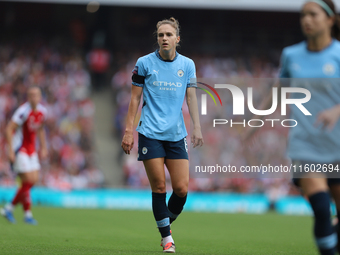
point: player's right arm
(10, 129)
(136, 94)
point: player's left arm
(329, 117)
(42, 139)
(196, 138)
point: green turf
(90, 231)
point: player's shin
(325, 238)
(21, 194)
(176, 205)
(18, 198)
(161, 214)
(26, 198)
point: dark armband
(138, 78)
(192, 85)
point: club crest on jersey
(328, 69)
(180, 73)
(32, 124)
(144, 150)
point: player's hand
(11, 156)
(43, 153)
(328, 118)
(197, 138)
(127, 143)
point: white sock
(9, 207)
(168, 239)
(28, 214)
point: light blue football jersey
(164, 86)
(308, 141)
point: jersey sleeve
(44, 112)
(139, 73)
(284, 72)
(19, 116)
(191, 82)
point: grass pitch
(92, 231)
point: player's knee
(181, 191)
(32, 179)
(159, 187)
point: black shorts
(151, 148)
(304, 167)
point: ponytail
(336, 26)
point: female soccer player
(164, 79)
(315, 140)
(26, 122)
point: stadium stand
(65, 83)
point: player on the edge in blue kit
(164, 79)
(309, 142)
(316, 138)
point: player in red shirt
(21, 131)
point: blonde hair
(172, 21)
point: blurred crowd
(60, 72)
(268, 145)
(66, 82)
